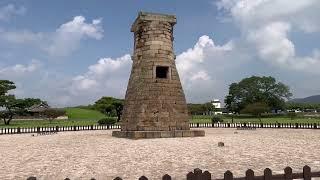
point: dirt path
(86, 154)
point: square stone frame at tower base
(155, 107)
(158, 134)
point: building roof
(216, 101)
(38, 107)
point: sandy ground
(86, 154)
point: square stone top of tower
(148, 16)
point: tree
(256, 109)
(6, 86)
(118, 105)
(257, 89)
(52, 113)
(8, 103)
(110, 106)
(28, 102)
(196, 109)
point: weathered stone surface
(157, 134)
(154, 99)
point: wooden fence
(257, 125)
(40, 130)
(197, 174)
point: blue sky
(73, 52)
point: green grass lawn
(77, 117)
(78, 113)
(207, 119)
(84, 117)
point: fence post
(267, 173)
(197, 125)
(74, 128)
(18, 130)
(261, 125)
(249, 174)
(228, 124)
(296, 125)
(166, 177)
(190, 176)
(288, 173)
(38, 129)
(57, 128)
(306, 173)
(228, 175)
(206, 175)
(91, 127)
(197, 173)
(31, 178)
(143, 178)
(315, 125)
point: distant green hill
(311, 99)
(78, 113)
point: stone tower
(155, 104)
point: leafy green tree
(256, 109)
(118, 106)
(257, 89)
(28, 102)
(9, 105)
(209, 107)
(6, 86)
(196, 109)
(110, 106)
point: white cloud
(192, 61)
(10, 10)
(21, 37)
(68, 36)
(63, 41)
(108, 77)
(20, 70)
(200, 69)
(302, 14)
(266, 25)
(272, 43)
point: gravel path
(86, 154)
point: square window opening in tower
(162, 72)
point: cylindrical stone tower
(155, 104)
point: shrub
(216, 119)
(52, 114)
(292, 115)
(107, 121)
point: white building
(217, 105)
